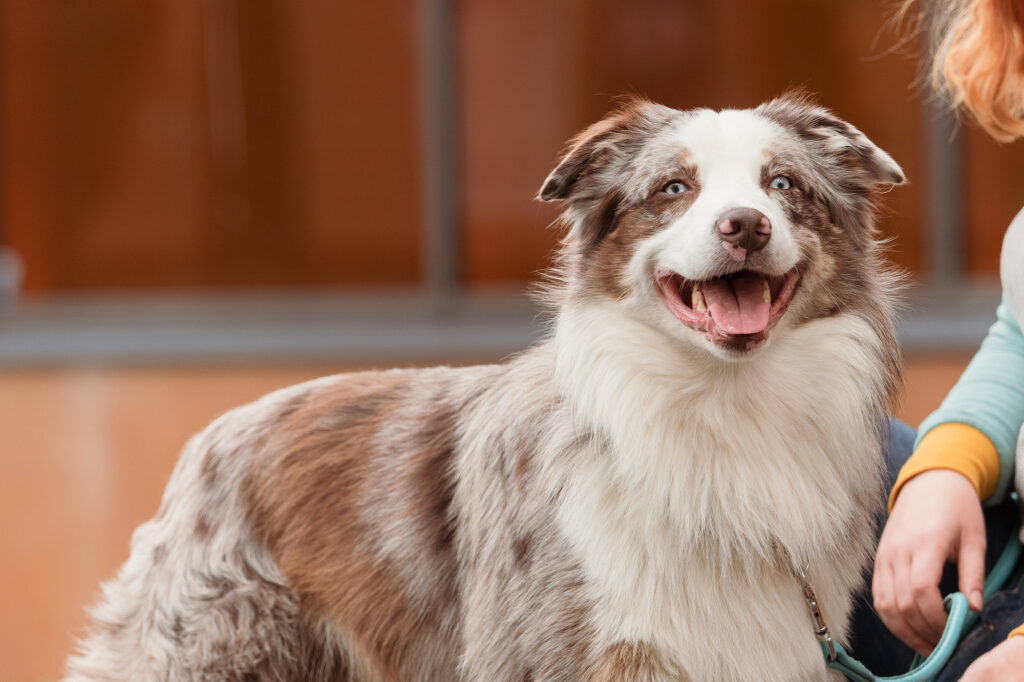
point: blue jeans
(879, 650)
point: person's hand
(1004, 663)
(937, 517)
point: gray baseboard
(386, 327)
(265, 327)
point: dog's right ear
(595, 148)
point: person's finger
(906, 602)
(925, 573)
(883, 592)
(971, 565)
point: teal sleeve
(990, 395)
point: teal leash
(959, 617)
(960, 620)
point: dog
(633, 498)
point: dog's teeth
(766, 293)
(698, 303)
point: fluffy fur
(624, 501)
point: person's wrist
(950, 479)
(954, 446)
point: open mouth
(736, 311)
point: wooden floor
(86, 453)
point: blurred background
(204, 200)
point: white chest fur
(714, 475)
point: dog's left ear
(853, 147)
(840, 141)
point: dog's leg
(636, 662)
(200, 598)
(168, 618)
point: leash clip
(821, 630)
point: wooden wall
(181, 143)
(177, 143)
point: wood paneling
(357, 146)
(180, 143)
(183, 143)
(26, 210)
(519, 70)
(994, 187)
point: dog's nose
(745, 228)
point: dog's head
(720, 226)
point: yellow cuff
(1019, 630)
(959, 447)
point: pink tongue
(736, 304)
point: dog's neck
(805, 411)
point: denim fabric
(1002, 612)
(879, 650)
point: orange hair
(978, 61)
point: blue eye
(780, 182)
(674, 187)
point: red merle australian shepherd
(627, 500)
